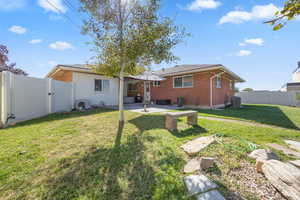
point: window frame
(231, 84)
(102, 89)
(218, 82)
(154, 83)
(182, 82)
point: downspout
(211, 87)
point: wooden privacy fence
(291, 98)
(24, 98)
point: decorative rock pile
(285, 177)
(199, 185)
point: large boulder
(285, 177)
(263, 154)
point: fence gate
(24, 98)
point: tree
(128, 35)
(8, 67)
(290, 10)
(248, 90)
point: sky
(227, 32)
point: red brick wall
(199, 94)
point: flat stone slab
(198, 184)
(192, 165)
(197, 144)
(263, 154)
(211, 195)
(293, 144)
(295, 163)
(285, 150)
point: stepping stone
(192, 165)
(211, 195)
(285, 150)
(206, 162)
(295, 163)
(198, 184)
(263, 154)
(197, 144)
(293, 144)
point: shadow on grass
(265, 114)
(123, 171)
(105, 173)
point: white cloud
(257, 12)
(61, 46)
(255, 41)
(9, 5)
(35, 41)
(242, 44)
(53, 5)
(243, 53)
(203, 4)
(17, 29)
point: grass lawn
(283, 116)
(83, 155)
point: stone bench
(171, 119)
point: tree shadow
(192, 131)
(104, 172)
(265, 114)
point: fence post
(6, 87)
(49, 93)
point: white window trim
(218, 86)
(182, 86)
(102, 89)
(155, 85)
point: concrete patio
(153, 108)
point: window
(231, 85)
(156, 83)
(132, 87)
(218, 82)
(101, 85)
(183, 81)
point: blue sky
(229, 32)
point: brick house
(199, 85)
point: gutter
(211, 87)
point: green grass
(83, 155)
(282, 116)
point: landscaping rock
(285, 177)
(263, 154)
(258, 165)
(197, 145)
(285, 150)
(211, 195)
(206, 162)
(295, 163)
(293, 144)
(192, 165)
(198, 184)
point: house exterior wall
(84, 88)
(199, 94)
(293, 88)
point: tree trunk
(121, 99)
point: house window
(218, 82)
(132, 87)
(101, 85)
(183, 81)
(231, 85)
(156, 83)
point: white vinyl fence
(291, 98)
(24, 98)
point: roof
(184, 69)
(75, 67)
(177, 70)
